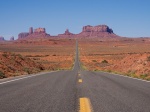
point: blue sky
(130, 18)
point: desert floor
(46, 54)
(129, 57)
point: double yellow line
(84, 103)
(80, 80)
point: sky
(128, 18)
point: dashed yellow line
(79, 75)
(85, 105)
(80, 80)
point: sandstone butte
(39, 32)
(100, 31)
(12, 38)
(2, 38)
(66, 34)
(97, 31)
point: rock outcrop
(21, 65)
(66, 34)
(37, 33)
(22, 35)
(12, 38)
(97, 31)
(39, 30)
(100, 31)
(2, 38)
(99, 28)
(30, 30)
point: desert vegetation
(12, 64)
(32, 56)
(129, 57)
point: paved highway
(69, 91)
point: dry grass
(121, 56)
(52, 54)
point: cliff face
(12, 38)
(97, 31)
(22, 35)
(100, 31)
(30, 30)
(39, 32)
(2, 38)
(66, 34)
(99, 28)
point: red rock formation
(12, 38)
(99, 28)
(2, 38)
(30, 30)
(39, 30)
(22, 35)
(66, 34)
(99, 31)
(96, 31)
(38, 33)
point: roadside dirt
(130, 57)
(31, 56)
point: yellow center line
(85, 105)
(79, 75)
(80, 80)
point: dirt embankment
(33, 55)
(134, 65)
(131, 58)
(12, 64)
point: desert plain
(100, 49)
(125, 56)
(31, 56)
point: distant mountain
(100, 31)
(97, 31)
(37, 33)
(2, 38)
(66, 34)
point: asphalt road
(60, 91)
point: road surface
(74, 90)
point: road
(67, 91)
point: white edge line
(125, 76)
(25, 77)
